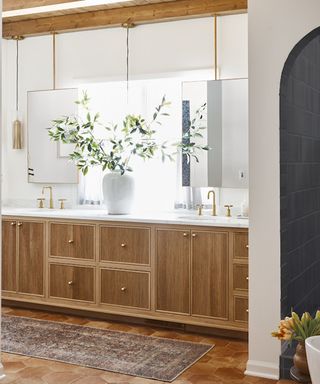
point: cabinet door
(173, 271)
(70, 282)
(9, 255)
(72, 241)
(31, 257)
(210, 274)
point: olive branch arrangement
(135, 137)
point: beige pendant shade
(17, 129)
(17, 135)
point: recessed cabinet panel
(72, 241)
(240, 277)
(210, 274)
(126, 288)
(31, 257)
(241, 309)
(173, 270)
(125, 245)
(70, 282)
(240, 245)
(9, 255)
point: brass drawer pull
(19, 224)
(194, 235)
(123, 245)
(123, 289)
(185, 234)
(13, 224)
(71, 241)
(70, 283)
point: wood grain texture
(125, 288)
(101, 18)
(72, 241)
(125, 245)
(210, 281)
(9, 255)
(241, 309)
(240, 245)
(31, 257)
(240, 277)
(71, 282)
(173, 270)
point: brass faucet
(51, 206)
(214, 207)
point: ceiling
(36, 17)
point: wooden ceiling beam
(140, 14)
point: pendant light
(17, 124)
(215, 48)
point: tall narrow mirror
(47, 160)
(225, 131)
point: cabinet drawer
(240, 245)
(240, 277)
(241, 309)
(72, 241)
(126, 288)
(125, 245)
(70, 282)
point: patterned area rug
(136, 355)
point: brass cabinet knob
(123, 289)
(70, 283)
(194, 235)
(247, 246)
(19, 224)
(185, 234)
(247, 278)
(13, 224)
(123, 245)
(247, 310)
(71, 241)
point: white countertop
(182, 217)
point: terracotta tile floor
(224, 364)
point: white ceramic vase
(118, 193)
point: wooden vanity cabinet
(9, 255)
(173, 270)
(23, 249)
(193, 275)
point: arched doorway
(300, 181)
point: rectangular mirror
(225, 123)
(47, 160)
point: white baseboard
(262, 369)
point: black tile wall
(300, 182)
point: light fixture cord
(54, 59)
(128, 60)
(17, 75)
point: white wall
(275, 26)
(99, 55)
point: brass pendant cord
(17, 74)
(128, 61)
(54, 60)
(215, 48)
